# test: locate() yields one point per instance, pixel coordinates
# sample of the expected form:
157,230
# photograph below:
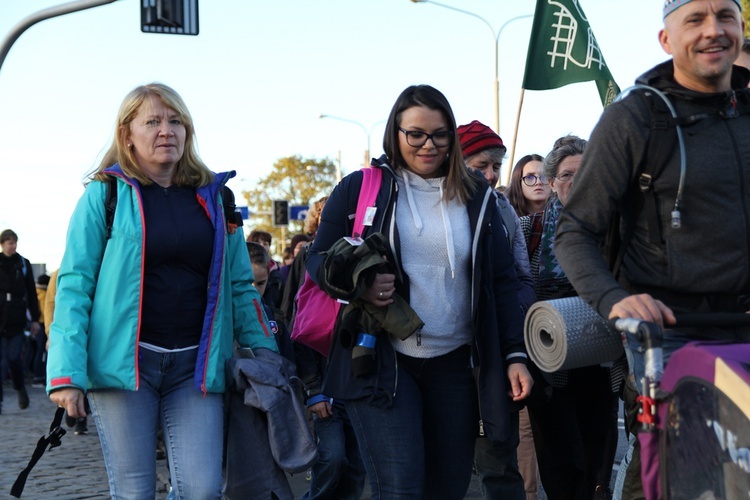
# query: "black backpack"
664,138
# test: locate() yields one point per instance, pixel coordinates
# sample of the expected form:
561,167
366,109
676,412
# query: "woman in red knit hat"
503,476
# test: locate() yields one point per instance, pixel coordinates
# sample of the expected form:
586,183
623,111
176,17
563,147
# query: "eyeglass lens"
532,179
417,139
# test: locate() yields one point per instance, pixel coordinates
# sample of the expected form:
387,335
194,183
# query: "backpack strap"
110,204
231,215
368,193
661,143
667,136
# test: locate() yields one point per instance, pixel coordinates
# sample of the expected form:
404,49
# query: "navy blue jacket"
497,317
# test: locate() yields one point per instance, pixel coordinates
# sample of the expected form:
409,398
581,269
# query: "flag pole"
515,137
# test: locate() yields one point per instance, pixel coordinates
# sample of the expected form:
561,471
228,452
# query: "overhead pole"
48,13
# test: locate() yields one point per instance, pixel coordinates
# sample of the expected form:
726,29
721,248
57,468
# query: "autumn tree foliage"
298,180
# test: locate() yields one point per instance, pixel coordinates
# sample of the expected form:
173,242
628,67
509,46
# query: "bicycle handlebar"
688,320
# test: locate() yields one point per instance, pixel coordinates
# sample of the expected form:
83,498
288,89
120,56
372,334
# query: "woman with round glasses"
416,412
529,189
571,426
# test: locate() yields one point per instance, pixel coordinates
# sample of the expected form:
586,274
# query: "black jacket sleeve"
607,170
505,288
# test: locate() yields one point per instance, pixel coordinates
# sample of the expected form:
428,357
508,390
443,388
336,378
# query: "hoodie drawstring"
449,245
412,204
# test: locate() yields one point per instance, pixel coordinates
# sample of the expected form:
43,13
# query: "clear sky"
260,74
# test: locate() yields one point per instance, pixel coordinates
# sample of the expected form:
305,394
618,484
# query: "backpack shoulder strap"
371,179
664,140
231,215
660,146
110,204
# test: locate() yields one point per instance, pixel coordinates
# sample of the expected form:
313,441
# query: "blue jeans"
339,472
192,425
497,465
422,446
622,471
10,350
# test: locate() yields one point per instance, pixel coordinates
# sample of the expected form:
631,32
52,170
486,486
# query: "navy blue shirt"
179,242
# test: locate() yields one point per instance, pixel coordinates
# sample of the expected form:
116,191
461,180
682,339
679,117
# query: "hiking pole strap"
56,432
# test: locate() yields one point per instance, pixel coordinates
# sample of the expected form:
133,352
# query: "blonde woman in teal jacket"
145,319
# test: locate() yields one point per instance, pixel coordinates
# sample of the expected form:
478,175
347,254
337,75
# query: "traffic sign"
298,212
174,17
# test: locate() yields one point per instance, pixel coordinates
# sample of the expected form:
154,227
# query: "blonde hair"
313,215
190,169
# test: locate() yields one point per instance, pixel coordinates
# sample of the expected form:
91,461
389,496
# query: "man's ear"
664,41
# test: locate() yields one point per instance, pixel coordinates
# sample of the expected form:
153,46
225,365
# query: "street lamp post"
48,13
496,39
368,133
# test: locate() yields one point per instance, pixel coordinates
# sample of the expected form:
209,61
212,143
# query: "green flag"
563,50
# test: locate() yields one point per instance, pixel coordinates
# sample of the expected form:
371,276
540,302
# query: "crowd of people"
158,289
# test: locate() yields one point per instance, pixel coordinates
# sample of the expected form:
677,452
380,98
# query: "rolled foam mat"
561,334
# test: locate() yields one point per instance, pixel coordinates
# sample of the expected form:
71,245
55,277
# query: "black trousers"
570,427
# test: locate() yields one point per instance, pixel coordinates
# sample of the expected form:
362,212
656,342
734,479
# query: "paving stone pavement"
75,470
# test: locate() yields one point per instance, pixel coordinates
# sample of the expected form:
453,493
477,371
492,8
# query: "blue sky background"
259,75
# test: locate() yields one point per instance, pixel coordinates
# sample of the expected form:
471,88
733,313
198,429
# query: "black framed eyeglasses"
417,139
532,179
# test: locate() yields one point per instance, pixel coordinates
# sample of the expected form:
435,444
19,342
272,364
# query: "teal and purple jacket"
95,333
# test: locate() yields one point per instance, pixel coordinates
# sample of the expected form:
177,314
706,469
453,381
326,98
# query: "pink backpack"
316,310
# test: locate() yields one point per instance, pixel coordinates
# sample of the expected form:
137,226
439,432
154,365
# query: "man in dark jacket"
690,244
17,300
703,265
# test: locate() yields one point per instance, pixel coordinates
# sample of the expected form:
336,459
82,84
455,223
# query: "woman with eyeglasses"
572,424
416,412
529,189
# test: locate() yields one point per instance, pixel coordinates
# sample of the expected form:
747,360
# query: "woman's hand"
383,287
520,381
322,409
35,328
71,399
